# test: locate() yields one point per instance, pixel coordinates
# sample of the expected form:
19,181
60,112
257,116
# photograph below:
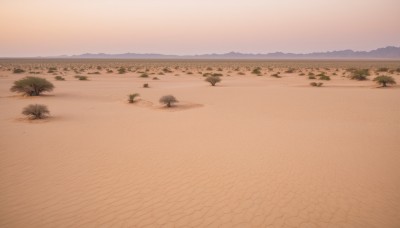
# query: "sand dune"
250,152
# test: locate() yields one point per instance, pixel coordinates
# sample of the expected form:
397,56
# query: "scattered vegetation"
36,111
168,100
213,80
385,80
32,86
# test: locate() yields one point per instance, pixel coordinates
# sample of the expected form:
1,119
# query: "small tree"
168,100
213,80
131,97
385,80
36,111
32,86
359,74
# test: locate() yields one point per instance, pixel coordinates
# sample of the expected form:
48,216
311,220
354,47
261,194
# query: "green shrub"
168,100
359,74
59,78
131,97
35,111
385,80
32,86
213,80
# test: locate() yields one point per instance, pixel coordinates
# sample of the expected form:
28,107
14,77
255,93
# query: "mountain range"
389,52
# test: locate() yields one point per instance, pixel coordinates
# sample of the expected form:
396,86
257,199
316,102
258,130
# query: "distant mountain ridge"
389,52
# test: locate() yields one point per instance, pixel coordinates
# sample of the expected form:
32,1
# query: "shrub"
276,75
121,70
146,85
167,70
144,75
59,78
35,111
311,77
213,80
168,100
155,78
18,71
290,70
359,74
131,97
324,77
256,70
385,80
32,86
52,70
81,78
302,74
315,84
383,69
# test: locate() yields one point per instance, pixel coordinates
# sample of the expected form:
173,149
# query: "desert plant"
168,100
324,77
383,69
32,86
213,80
121,70
81,78
256,70
144,75
59,78
359,74
276,75
18,71
156,78
315,84
385,80
35,111
52,70
131,97
146,85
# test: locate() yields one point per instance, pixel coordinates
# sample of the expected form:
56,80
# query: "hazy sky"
54,27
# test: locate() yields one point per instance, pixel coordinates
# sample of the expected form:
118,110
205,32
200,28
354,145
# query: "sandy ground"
250,152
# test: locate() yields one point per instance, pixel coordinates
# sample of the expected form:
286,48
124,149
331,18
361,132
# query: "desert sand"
253,151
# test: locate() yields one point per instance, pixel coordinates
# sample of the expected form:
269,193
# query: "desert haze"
272,144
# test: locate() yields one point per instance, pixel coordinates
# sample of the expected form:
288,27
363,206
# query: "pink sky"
55,27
